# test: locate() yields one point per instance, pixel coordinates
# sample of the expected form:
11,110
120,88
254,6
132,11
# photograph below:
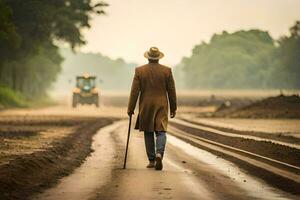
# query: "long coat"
154,85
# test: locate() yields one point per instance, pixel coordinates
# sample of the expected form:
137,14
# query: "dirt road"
189,173
43,152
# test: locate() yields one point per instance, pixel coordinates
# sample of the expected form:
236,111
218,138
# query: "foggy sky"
175,26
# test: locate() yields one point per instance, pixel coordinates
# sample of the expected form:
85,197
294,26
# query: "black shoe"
158,162
151,164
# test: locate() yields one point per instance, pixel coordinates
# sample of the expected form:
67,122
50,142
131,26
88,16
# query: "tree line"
112,74
244,60
29,33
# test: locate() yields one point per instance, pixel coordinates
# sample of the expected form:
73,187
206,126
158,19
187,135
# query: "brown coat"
155,86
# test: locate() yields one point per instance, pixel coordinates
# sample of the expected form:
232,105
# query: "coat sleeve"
135,91
171,92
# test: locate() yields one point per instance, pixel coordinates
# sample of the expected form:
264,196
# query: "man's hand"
173,114
129,113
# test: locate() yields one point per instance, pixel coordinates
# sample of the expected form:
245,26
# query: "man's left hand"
130,113
173,114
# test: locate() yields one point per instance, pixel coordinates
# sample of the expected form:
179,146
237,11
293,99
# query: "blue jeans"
161,139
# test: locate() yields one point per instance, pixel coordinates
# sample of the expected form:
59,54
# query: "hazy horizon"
131,27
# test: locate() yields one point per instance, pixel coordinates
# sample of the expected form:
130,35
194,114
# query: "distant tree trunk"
14,76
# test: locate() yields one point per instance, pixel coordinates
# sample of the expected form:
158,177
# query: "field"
40,146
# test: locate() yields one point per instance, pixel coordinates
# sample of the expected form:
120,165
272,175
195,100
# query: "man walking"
153,83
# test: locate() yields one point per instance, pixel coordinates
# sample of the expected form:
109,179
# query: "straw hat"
153,54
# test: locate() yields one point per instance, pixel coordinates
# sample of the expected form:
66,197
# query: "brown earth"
185,175
267,135
37,151
276,151
273,107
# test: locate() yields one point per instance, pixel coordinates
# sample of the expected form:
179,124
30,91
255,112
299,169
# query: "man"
153,83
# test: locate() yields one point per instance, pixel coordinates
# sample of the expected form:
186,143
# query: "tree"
29,31
9,39
237,60
289,54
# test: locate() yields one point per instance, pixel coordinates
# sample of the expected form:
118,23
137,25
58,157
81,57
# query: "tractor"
85,91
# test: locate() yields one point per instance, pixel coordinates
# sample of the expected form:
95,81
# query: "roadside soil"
272,107
286,130
264,148
38,150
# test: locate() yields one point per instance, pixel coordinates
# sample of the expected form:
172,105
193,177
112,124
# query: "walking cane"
128,136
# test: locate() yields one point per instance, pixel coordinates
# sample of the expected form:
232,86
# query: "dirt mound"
26,174
272,107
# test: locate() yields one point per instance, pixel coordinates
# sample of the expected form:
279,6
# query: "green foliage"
289,54
29,59
9,98
244,59
12,99
9,39
114,74
235,60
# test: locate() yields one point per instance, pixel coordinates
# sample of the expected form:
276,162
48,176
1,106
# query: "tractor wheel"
74,104
96,101
74,101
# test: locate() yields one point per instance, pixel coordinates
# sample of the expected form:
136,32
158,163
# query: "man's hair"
153,61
